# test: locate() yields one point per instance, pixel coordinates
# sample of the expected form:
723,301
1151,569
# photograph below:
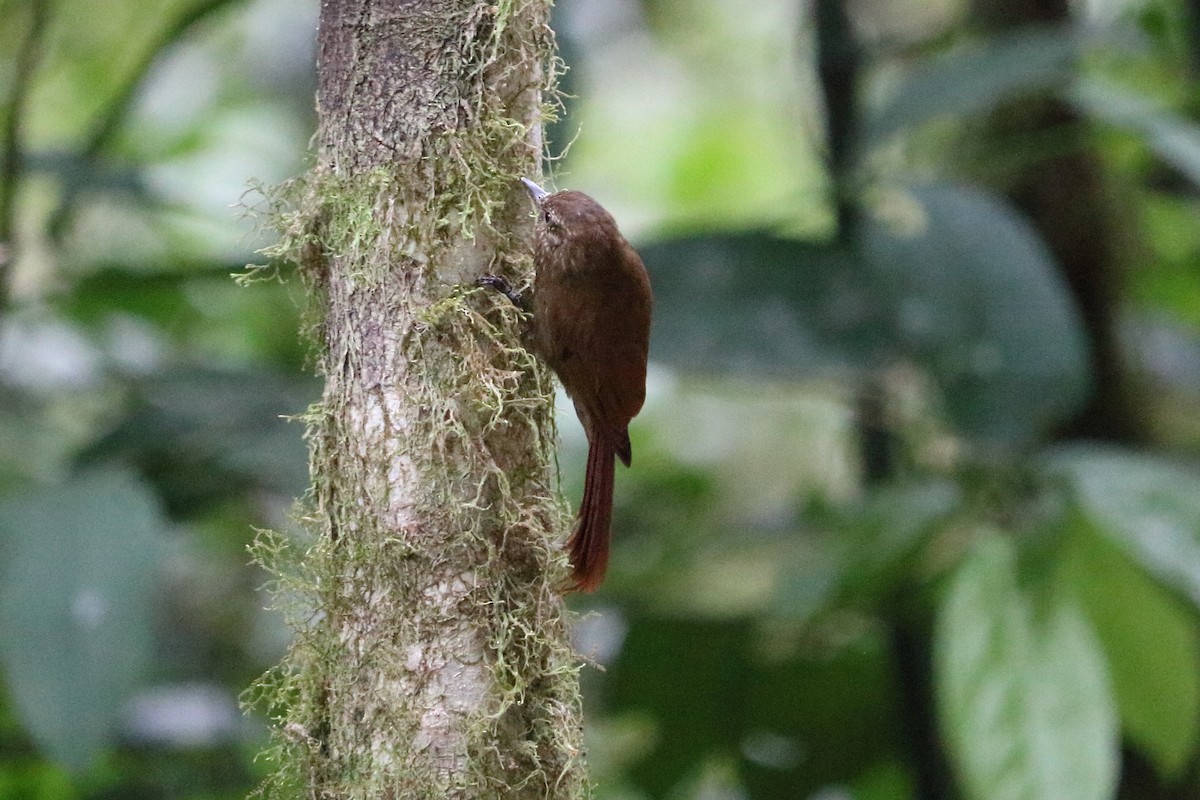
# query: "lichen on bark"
431,655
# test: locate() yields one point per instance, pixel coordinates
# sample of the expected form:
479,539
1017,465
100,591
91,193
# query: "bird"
591,306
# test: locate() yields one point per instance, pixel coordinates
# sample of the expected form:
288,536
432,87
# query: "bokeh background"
915,510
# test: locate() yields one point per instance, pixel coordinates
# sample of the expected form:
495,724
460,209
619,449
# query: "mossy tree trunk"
437,661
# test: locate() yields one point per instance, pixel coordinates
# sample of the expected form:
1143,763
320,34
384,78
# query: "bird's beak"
536,192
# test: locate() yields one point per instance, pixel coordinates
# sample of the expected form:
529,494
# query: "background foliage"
916,505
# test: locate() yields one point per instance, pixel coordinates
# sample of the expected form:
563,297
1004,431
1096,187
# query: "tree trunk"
1066,197
436,662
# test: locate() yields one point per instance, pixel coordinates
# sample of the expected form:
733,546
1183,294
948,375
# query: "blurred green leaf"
823,719
973,295
29,443
1174,138
25,773
954,279
203,435
974,80
1023,698
869,553
1147,505
795,721
91,71
887,781
885,536
757,303
688,675
1152,648
76,596
1169,281
159,297
195,304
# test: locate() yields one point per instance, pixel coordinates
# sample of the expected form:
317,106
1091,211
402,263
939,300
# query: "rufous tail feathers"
588,545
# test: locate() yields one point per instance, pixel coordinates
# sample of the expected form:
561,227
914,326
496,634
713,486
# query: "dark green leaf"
974,80
957,281
160,297
687,675
1023,697
794,722
974,296
76,600
887,533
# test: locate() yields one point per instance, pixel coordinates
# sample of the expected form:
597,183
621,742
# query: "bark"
436,661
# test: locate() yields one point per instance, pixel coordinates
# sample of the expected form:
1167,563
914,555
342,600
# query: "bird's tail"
588,545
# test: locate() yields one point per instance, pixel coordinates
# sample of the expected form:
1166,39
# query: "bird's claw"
501,285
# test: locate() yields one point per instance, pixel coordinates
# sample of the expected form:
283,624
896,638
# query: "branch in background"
1067,197
118,108
26,63
1191,27
839,61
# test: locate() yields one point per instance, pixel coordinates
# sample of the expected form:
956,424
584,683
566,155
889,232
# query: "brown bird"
591,310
